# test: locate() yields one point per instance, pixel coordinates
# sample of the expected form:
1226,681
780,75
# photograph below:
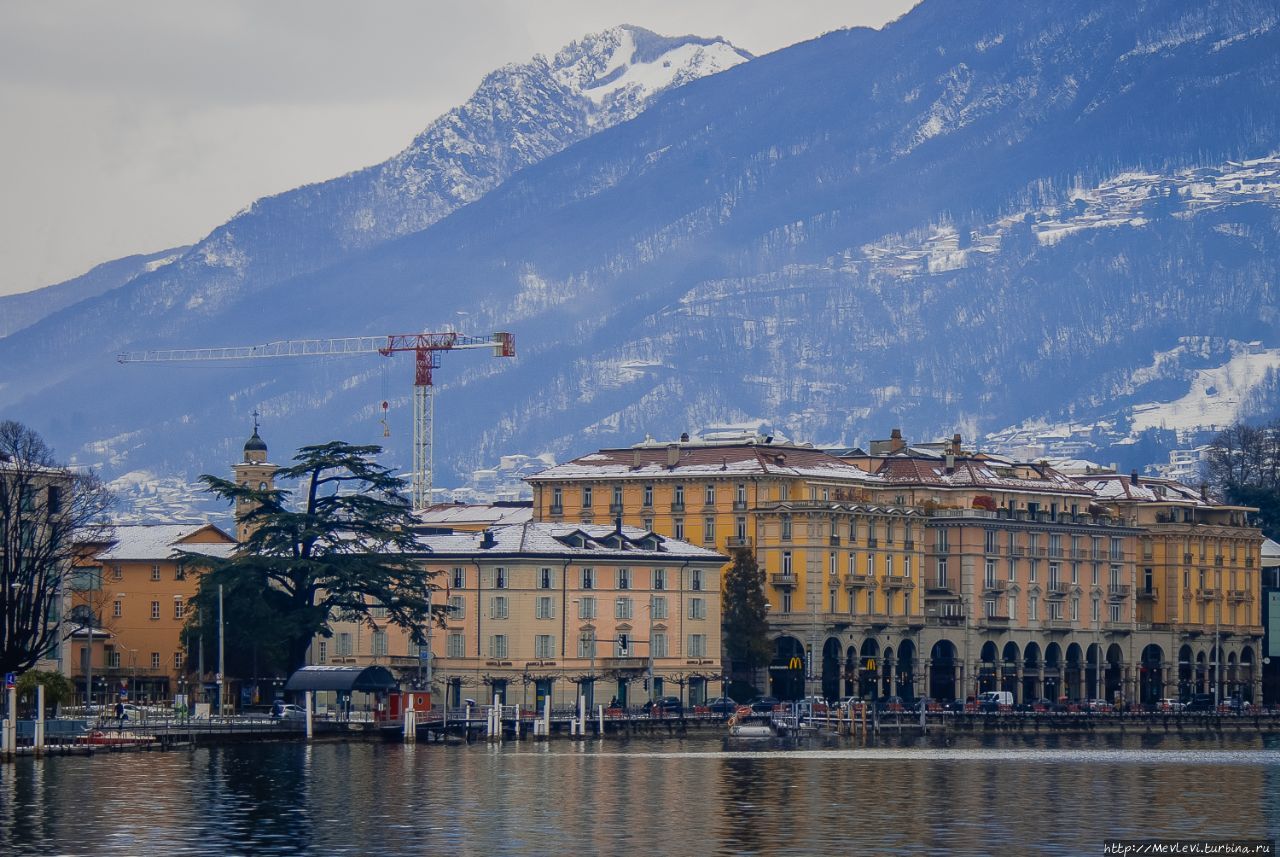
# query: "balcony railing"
615,508
858,579
940,587
1119,591
877,619
1117,627
1056,590
994,621
739,505
677,506
872,542
1150,594
1238,594
556,509
994,585
833,540
890,581
1057,624
738,541
783,579
1018,550
1208,593
944,619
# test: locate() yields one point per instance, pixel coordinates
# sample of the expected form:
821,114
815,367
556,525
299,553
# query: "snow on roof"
1271,549
972,472
462,514
709,460
1115,486
162,541
556,539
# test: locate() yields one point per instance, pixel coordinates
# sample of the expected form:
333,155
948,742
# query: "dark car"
666,705
1200,702
721,705
763,703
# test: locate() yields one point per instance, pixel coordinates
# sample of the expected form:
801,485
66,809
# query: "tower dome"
255,448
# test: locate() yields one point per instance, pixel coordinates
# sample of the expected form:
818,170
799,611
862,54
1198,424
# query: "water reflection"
697,796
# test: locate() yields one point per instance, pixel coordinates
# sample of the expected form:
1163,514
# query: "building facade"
948,572
540,610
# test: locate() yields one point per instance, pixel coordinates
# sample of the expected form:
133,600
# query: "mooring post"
310,723
410,722
600,722
546,716
11,723
37,743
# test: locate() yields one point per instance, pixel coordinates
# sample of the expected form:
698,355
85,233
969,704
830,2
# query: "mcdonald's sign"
796,664
870,665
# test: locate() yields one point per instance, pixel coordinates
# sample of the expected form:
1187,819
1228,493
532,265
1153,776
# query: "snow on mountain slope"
1217,396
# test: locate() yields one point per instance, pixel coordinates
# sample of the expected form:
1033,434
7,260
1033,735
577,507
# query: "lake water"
700,795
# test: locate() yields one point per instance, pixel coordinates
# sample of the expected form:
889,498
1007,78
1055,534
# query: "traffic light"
622,643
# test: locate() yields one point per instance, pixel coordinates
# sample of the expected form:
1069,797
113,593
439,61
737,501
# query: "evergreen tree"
341,550
1243,465
745,615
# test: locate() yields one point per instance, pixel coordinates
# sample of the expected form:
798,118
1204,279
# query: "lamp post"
651,687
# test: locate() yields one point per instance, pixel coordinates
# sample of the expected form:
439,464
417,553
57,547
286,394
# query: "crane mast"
426,348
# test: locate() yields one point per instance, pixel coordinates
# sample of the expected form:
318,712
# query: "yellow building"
556,609
1198,587
131,601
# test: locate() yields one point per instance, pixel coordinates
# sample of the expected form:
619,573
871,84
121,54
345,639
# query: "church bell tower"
254,471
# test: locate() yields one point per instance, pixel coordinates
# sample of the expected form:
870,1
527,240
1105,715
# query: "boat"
101,738
747,723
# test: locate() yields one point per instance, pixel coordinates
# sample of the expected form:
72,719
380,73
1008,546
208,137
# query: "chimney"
635,459
1133,478
955,444
951,463
617,525
487,540
895,440
673,454
684,437
1204,492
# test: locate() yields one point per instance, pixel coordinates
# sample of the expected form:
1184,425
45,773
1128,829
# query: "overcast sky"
129,127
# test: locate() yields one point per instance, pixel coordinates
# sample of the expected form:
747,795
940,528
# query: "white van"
991,700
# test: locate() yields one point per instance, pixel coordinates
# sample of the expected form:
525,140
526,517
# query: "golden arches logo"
796,664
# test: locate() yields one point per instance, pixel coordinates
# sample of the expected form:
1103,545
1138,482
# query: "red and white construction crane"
426,348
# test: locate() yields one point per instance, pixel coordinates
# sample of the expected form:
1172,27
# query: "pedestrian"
120,715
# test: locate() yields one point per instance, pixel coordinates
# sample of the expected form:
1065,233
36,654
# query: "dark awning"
372,679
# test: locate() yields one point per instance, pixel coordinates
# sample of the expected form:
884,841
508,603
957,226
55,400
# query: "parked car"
763,703
993,700
1170,705
1236,705
666,705
1200,702
1099,705
722,705
289,711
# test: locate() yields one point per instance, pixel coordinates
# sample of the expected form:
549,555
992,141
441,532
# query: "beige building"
540,609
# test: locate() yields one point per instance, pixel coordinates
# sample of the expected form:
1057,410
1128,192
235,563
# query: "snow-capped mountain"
981,216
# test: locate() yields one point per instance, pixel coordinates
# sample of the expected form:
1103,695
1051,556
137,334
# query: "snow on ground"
1215,397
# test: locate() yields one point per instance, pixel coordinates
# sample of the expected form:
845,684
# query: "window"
786,601
587,644
1117,612
1013,608
648,496
322,652
1055,545
155,572
942,572
709,496
544,578
113,659
498,607
1117,548
155,660
1035,571
678,496
990,575
544,646
677,527
695,580
456,645
587,607
831,602
179,609
740,529
906,566
179,571
1013,570
990,606
588,578
1094,576
659,578
459,578
659,644
1075,573
557,500
943,545
377,611
380,643
624,578
990,542
786,562
344,643
1053,575
786,528
621,644
497,645
545,607
499,578
1055,609
742,494
647,523
622,608
1075,609
1033,608
177,662
457,607
709,529
697,646
586,496
888,531
1094,611
117,608
617,498
117,573
155,609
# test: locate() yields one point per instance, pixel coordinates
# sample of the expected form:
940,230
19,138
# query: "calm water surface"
699,795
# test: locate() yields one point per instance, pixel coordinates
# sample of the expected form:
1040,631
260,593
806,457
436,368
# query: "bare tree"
45,510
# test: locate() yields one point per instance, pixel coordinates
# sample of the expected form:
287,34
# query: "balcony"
1186,559
615,508
1150,594
738,541
876,620
909,545
1077,553
1055,591
833,540
1239,595
677,506
945,619
940,588
1208,594
994,622
1217,560
1057,625
995,586
786,578
624,663
556,509
858,580
1117,627
872,542
1017,550
894,582
739,505
1119,591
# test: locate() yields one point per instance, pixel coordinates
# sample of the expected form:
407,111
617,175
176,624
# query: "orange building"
131,600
